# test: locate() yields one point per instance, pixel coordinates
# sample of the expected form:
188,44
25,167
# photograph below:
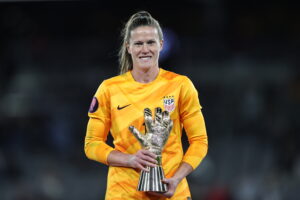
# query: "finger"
161,194
137,134
141,167
171,187
158,194
148,153
170,126
168,194
149,158
158,115
147,163
165,180
133,129
166,118
148,119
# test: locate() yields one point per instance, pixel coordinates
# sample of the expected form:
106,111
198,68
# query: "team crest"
169,103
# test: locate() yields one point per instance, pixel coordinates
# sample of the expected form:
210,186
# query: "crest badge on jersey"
169,103
94,105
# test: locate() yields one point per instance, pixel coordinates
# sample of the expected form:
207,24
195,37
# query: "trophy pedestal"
152,181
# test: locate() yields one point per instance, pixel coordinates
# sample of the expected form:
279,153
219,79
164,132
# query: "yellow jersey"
119,103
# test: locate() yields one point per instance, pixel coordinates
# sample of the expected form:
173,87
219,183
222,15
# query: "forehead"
144,32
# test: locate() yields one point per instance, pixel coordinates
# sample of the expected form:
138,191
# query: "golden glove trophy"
154,140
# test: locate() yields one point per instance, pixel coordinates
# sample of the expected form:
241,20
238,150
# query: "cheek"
156,49
131,49
135,52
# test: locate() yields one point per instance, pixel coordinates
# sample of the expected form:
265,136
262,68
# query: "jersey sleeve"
98,126
193,123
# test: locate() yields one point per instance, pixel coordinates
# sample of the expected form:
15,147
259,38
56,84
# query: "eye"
138,43
151,42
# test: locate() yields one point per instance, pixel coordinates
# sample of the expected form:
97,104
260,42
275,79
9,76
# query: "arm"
193,156
196,132
194,125
95,146
138,160
183,170
99,123
97,149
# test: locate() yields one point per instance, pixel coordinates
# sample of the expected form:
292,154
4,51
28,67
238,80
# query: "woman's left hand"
172,185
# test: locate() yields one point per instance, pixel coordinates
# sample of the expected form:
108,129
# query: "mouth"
145,58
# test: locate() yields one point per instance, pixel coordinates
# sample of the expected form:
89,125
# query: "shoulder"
182,81
107,84
114,80
172,76
169,75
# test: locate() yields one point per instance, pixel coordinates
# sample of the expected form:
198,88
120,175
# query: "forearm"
118,159
98,151
195,153
95,141
183,170
139,160
196,133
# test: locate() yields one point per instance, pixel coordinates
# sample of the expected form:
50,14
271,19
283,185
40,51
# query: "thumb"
165,180
134,130
137,134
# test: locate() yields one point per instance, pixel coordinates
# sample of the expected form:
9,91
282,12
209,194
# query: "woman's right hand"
141,159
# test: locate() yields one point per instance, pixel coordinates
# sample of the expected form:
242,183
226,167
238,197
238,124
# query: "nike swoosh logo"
120,108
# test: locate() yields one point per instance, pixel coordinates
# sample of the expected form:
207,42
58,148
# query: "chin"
145,66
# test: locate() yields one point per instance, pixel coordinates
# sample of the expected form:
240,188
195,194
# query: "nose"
145,48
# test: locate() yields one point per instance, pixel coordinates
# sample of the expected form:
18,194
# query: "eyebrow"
139,41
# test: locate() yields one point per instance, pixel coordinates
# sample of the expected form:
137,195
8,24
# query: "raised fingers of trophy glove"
137,134
148,119
166,120
158,115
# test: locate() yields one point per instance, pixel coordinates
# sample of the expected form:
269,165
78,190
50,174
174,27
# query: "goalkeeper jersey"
119,103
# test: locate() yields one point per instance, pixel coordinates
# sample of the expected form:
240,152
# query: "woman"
119,103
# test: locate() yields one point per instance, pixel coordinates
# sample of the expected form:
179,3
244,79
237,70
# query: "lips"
145,58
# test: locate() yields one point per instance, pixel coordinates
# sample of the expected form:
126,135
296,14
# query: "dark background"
241,55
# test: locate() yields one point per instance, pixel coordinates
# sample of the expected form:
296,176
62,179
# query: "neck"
145,75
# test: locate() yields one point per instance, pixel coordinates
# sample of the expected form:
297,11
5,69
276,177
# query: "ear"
128,47
161,44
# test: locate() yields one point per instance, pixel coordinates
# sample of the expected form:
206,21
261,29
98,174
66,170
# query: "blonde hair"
141,18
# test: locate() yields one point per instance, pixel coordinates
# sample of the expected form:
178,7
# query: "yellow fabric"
168,91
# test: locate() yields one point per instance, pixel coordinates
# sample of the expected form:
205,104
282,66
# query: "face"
144,47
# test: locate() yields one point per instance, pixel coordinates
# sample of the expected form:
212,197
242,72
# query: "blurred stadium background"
241,55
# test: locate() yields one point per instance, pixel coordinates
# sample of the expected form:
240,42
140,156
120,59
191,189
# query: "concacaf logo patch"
169,103
94,105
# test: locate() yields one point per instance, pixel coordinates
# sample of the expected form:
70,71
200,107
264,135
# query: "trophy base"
151,181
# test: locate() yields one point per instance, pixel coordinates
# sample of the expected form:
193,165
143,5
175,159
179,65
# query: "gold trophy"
155,137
